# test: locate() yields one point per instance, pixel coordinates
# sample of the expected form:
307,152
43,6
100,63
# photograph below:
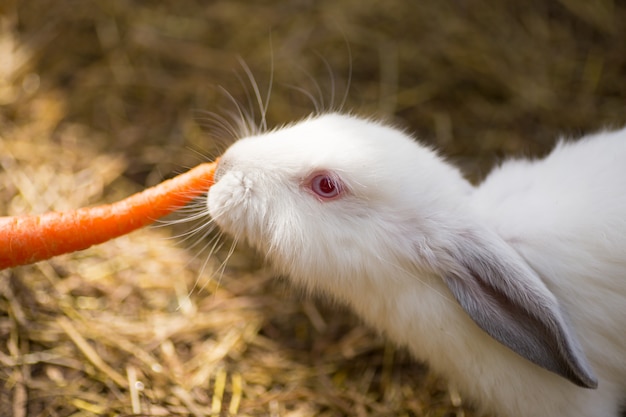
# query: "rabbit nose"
223,166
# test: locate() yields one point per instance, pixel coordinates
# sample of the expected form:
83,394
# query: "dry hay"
99,99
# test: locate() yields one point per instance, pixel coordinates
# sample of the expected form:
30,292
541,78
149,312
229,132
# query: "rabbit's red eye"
325,186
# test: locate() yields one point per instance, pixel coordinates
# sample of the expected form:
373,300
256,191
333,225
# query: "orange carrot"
31,238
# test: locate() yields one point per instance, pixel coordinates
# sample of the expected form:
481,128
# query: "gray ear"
507,299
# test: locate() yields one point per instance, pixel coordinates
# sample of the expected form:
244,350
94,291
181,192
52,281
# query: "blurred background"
101,98
479,78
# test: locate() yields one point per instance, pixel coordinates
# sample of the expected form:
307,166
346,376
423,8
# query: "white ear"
507,299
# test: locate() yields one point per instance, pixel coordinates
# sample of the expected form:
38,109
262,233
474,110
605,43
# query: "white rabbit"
514,290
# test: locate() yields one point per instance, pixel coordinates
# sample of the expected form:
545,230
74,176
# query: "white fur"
411,246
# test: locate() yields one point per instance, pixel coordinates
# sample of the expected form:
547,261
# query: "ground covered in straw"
99,99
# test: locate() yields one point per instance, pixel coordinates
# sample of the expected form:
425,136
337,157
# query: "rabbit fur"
514,290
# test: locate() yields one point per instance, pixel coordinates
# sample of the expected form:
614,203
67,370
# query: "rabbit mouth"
226,201
237,210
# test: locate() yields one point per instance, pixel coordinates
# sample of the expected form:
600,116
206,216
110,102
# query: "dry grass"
99,99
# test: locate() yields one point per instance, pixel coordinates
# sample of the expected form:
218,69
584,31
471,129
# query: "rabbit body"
514,290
